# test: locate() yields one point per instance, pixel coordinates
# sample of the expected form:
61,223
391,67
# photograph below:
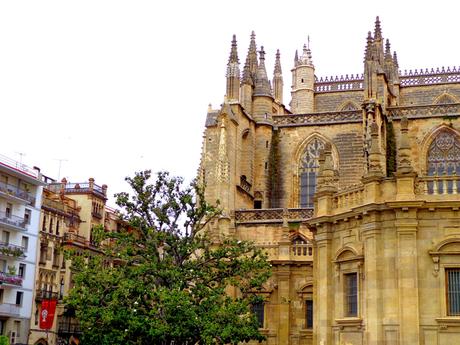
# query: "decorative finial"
277,63
377,30
262,54
387,49
368,51
395,59
233,52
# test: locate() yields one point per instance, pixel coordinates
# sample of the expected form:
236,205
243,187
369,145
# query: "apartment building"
20,200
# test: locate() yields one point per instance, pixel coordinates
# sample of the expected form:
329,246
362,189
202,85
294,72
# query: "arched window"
309,164
444,154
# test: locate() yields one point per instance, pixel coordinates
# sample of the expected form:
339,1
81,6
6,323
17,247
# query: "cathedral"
353,190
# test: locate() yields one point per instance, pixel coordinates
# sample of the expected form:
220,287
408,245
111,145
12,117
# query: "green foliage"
4,340
168,283
391,149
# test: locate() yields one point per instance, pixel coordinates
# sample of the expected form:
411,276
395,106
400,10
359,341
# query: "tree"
166,282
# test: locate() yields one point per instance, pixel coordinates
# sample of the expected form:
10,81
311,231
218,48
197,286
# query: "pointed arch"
445,98
441,151
348,105
306,159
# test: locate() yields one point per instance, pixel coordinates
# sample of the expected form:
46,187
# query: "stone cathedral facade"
353,190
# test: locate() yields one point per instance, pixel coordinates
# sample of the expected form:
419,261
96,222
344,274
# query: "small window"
44,223
6,237
36,316
266,165
1,296
22,270
309,314
266,144
27,215
25,242
453,291
257,204
351,294
19,295
51,225
258,310
57,227
9,210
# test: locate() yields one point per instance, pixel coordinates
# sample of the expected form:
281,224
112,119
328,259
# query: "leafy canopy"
161,280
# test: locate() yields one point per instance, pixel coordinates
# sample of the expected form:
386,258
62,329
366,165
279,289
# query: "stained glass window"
309,164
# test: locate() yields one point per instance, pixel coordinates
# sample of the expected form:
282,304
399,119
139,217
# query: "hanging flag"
47,313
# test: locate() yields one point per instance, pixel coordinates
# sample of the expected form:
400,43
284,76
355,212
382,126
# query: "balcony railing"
59,207
17,192
272,215
10,279
8,309
18,166
12,221
43,294
438,185
8,249
83,187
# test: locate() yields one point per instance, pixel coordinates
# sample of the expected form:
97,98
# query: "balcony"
40,295
96,215
60,208
13,192
10,310
8,249
12,222
10,280
272,215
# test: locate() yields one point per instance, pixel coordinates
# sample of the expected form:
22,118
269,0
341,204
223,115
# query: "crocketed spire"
395,59
368,52
233,69
262,86
233,73
278,79
377,30
388,50
250,66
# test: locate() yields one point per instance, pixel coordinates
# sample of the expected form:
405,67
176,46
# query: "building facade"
353,191
20,200
69,213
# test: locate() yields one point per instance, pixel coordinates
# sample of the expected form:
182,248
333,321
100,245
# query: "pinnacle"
277,63
233,52
395,59
387,50
377,30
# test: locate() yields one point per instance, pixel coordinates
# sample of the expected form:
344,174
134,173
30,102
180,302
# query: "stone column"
323,298
371,302
284,325
407,266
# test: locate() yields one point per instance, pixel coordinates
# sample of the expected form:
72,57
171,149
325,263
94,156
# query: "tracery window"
444,154
309,164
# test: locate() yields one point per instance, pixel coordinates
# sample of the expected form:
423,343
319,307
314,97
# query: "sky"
105,88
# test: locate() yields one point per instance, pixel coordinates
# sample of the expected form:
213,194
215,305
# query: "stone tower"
303,79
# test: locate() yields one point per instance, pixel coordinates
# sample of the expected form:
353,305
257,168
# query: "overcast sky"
114,87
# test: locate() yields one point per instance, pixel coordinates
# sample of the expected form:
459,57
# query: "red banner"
47,313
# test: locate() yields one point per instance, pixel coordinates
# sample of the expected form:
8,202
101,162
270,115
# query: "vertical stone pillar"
322,290
371,302
284,325
407,266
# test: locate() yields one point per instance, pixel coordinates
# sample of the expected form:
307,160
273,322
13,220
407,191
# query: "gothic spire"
377,30
296,58
395,59
233,73
250,66
233,52
388,50
368,52
277,63
278,79
262,86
